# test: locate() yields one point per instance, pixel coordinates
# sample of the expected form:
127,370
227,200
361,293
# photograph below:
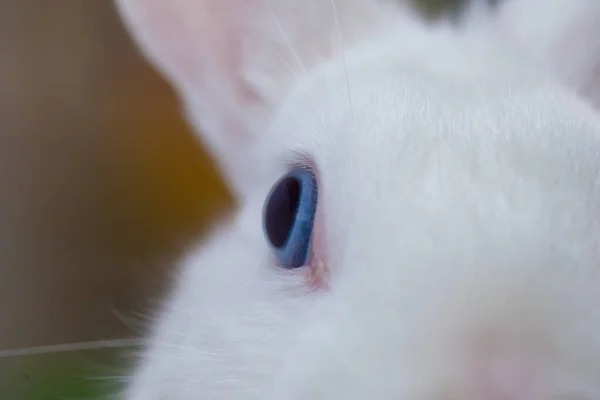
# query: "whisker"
286,40
114,378
288,65
68,347
136,321
343,51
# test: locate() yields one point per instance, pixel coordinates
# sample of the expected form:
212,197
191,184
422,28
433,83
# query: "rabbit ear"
563,34
233,61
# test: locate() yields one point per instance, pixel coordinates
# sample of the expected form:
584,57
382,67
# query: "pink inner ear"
197,43
216,50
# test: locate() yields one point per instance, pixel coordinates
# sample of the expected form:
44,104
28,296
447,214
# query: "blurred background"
101,184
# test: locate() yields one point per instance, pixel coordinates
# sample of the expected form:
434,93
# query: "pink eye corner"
317,271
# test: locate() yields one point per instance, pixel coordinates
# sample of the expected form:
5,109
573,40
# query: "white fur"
458,177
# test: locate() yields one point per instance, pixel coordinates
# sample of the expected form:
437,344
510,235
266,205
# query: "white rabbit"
436,232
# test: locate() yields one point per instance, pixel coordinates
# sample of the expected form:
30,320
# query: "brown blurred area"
101,181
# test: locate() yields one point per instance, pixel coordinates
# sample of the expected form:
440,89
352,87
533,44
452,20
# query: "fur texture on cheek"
228,325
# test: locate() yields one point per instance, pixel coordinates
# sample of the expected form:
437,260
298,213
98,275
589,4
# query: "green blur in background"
84,375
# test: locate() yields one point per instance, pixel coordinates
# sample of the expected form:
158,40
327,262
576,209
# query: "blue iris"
289,216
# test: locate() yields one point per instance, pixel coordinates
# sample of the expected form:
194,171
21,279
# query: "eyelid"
301,160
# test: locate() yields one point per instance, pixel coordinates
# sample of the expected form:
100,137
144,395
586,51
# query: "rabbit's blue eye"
289,215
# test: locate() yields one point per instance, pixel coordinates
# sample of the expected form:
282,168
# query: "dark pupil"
281,211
